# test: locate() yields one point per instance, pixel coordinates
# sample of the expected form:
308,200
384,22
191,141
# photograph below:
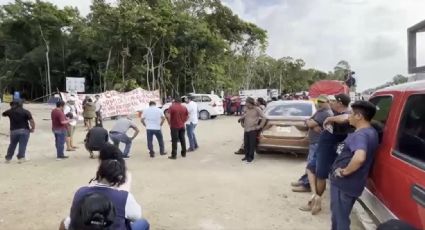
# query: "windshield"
290,109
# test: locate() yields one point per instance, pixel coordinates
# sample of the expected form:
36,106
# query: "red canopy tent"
328,87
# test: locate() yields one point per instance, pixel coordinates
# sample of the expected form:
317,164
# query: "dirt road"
209,190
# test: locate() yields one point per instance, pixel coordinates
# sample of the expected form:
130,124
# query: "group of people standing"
342,147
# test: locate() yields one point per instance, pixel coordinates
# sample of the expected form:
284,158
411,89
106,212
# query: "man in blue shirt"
351,168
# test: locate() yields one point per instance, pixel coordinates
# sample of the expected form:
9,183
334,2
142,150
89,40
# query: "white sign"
75,84
114,103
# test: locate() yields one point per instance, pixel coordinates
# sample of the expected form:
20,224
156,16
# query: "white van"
209,105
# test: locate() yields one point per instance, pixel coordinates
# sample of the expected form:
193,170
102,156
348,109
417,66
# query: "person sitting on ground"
112,173
96,138
94,212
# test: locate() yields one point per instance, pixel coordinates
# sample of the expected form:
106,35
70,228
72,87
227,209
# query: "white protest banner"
114,103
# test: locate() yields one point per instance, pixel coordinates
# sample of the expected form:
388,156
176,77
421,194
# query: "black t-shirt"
342,129
18,117
97,137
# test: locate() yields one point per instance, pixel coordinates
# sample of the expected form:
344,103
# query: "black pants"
250,143
99,118
176,135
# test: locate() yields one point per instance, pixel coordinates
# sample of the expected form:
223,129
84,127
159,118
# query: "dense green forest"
175,46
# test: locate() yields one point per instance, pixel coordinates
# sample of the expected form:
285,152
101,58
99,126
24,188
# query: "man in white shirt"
191,123
153,118
70,111
98,109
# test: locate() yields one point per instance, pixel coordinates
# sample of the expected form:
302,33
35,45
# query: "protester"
89,112
94,211
153,118
112,173
59,128
315,124
21,125
251,119
328,141
351,168
261,103
191,123
177,116
70,111
98,106
96,138
118,133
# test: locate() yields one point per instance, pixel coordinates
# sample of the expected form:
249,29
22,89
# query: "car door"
409,152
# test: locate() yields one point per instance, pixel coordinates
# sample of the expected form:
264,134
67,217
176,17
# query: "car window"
295,109
411,132
197,98
206,99
383,106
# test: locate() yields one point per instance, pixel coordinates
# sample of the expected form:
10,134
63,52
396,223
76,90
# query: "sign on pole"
75,84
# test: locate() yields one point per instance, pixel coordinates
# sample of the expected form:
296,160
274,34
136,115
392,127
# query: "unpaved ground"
210,189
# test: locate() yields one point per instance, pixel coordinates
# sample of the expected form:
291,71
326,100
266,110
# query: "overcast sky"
369,34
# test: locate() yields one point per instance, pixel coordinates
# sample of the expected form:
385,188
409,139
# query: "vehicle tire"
260,151
204,115
213,117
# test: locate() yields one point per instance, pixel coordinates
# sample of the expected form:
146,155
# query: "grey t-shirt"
319,117
122,125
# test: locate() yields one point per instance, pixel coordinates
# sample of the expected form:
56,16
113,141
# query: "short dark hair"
178,100
94,211
110,152
60,104
152,103
114,171
365,108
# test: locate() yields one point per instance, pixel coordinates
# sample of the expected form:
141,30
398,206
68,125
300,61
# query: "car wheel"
213,117
204,115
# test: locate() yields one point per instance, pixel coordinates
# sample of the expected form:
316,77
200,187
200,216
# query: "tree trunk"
107,68
49,92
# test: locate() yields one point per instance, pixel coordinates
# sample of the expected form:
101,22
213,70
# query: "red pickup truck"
396,186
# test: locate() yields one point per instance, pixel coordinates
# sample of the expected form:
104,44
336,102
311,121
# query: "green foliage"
175,46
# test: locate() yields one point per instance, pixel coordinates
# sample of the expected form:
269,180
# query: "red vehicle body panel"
392,178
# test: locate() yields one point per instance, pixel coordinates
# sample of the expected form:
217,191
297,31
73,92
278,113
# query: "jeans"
341,206
141,224
20,136
326,153
121,137
250,143
311,164
176,135
60,136
158,134
193,143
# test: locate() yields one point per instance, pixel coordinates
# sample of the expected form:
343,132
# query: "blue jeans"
141,224
193,143
311,164
326,153
60,136
341,206
158,134
121,137
20,136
